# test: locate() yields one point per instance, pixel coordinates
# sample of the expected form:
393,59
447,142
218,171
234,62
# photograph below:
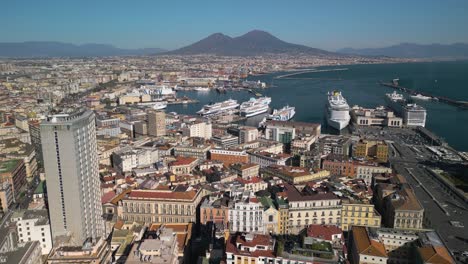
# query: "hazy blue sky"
172,24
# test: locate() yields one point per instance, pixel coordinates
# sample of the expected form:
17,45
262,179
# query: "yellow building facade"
359,214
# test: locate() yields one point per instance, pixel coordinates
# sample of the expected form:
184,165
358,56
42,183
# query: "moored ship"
157,105
413,114
218,108
284,114
337,111
254,106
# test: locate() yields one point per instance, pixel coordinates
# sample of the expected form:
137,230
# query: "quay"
444,99
288,76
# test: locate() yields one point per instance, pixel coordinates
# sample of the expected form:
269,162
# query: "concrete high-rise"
71,166
156,123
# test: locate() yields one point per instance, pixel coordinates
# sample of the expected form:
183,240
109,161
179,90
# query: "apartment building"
340,166
359,214
246,214
265,159
312,205
197,129
183,165
34,225
13,171
215,208
246,170
192,151
229,156
294,175
371,149
128,158
177,205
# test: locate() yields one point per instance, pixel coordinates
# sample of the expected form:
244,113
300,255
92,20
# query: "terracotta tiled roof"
252,180
365,245
181,161
264,240
324,232
119,197
411,202
107,197
435,254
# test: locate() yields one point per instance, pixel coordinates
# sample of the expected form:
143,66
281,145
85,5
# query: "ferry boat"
412,114
421,97
284,114
218,108
255,106
337,111
394,101
155,105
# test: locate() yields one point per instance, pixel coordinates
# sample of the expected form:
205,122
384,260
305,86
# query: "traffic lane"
455,238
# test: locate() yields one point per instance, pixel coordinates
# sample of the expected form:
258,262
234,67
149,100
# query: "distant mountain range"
255,42
34,49
410,50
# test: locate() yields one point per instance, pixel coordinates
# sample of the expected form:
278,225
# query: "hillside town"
93,169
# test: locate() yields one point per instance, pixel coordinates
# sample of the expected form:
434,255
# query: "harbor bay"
360,86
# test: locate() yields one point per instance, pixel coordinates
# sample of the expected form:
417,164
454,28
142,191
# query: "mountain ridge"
255,42
35,49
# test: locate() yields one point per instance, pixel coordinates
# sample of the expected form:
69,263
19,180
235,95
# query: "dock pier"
460,104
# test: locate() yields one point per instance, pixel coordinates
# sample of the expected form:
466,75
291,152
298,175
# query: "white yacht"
255,106
218,108
337,111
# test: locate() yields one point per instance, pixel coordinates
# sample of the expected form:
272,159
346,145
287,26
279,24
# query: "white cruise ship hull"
338,124
218,111
254,113
337,111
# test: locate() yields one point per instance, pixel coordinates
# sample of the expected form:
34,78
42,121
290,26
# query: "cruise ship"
337,111
413,114
255,106
283,114
218,108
